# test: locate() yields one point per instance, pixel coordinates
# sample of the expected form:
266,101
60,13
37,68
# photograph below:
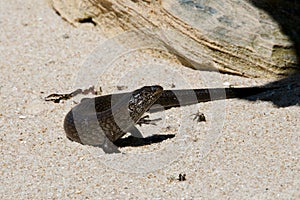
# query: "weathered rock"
231,36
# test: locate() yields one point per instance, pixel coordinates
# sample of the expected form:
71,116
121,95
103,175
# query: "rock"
231,36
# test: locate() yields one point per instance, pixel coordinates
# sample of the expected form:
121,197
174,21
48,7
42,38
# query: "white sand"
255,154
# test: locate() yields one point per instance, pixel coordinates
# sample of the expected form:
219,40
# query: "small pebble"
22,117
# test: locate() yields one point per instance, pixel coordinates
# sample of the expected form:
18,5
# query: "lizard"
102,120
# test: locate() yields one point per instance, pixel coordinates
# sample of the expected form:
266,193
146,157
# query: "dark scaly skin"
102,120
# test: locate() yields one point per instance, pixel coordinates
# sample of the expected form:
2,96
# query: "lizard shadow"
137,142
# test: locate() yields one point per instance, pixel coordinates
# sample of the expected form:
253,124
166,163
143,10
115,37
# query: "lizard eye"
131,106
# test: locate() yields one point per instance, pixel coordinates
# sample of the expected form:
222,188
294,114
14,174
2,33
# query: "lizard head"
142,99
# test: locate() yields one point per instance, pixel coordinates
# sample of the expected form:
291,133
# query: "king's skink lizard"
102,120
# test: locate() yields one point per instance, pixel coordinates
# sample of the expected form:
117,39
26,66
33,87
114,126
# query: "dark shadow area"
287,14
136,142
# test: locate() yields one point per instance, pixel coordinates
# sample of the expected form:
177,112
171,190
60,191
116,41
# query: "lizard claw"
145,120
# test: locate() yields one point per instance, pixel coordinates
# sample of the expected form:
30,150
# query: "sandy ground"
245,150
